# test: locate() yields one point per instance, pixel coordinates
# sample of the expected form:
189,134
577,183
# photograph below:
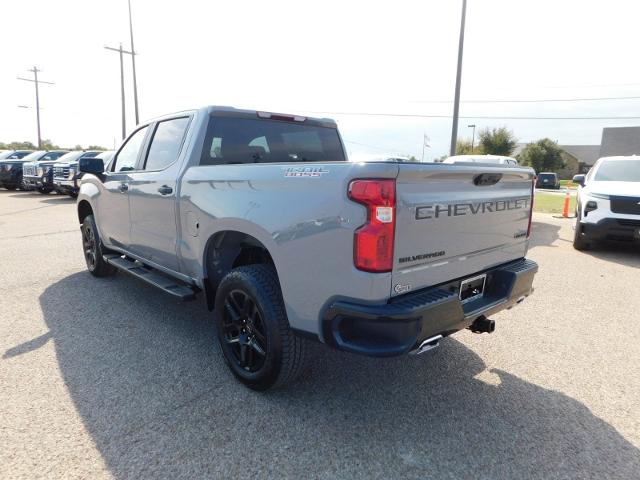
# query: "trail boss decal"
313,172
461,209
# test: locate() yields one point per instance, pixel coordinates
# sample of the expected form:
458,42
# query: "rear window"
242,140
618,171
547,176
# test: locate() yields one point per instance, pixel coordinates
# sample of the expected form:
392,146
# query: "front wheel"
253,331
93,249
580,240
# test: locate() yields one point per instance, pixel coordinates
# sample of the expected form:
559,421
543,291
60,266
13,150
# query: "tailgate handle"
487,179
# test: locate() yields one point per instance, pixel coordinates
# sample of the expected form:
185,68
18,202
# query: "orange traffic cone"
565,209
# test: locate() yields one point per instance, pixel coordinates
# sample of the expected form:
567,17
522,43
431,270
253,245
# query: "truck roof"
226,111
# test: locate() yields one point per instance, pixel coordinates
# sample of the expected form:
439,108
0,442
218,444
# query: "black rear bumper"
400,325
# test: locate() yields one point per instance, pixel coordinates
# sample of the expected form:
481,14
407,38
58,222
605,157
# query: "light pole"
133,64
36,82
124,120
456,102
473,136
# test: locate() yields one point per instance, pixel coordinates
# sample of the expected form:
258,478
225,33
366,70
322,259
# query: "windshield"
618,171
32,157
70,157
244,140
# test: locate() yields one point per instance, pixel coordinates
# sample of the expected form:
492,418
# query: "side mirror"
579,179
91,165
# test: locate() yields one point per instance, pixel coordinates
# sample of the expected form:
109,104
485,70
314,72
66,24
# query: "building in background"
580,158
620,141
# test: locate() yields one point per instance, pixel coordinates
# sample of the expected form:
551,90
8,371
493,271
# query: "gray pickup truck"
289,241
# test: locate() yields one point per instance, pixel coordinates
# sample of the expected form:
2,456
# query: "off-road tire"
91,240
580,240
285,351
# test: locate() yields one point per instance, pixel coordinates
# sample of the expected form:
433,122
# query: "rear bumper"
617,229
400,325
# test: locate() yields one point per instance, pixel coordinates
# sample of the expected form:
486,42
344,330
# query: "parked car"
289,241
499,159
608,206
65,169
548,180
37,173
14,154
11,168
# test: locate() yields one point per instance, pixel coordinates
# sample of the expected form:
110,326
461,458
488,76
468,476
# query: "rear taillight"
373,241
531,209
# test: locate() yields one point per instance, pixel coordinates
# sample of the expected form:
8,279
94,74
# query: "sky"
328,58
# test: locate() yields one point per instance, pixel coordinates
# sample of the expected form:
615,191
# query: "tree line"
46,145
543,155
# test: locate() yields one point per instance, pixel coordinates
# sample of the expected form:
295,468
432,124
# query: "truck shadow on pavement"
146,378
543,234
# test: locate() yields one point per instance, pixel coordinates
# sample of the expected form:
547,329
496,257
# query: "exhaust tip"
429,344
483,325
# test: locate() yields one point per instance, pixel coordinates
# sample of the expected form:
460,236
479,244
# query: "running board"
151,276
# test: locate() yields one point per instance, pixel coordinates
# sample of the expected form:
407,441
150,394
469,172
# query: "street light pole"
456,102
133,64
124,120
473,136
36,82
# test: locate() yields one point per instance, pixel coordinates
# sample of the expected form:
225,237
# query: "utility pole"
456,102
36,82
473,136
124,120
133,64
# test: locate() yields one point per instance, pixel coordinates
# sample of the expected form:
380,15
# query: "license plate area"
472,288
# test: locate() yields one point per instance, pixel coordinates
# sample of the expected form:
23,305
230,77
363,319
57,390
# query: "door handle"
165,190
123,187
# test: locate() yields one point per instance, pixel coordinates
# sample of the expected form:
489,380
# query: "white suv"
608,202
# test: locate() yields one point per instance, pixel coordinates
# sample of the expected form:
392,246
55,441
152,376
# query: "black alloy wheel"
90,246
244,331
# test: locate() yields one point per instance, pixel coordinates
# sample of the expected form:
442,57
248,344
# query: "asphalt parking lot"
109,378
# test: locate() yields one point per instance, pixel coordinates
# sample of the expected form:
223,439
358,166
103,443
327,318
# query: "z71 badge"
312,172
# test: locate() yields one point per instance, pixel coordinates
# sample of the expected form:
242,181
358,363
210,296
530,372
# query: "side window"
166,143
128,155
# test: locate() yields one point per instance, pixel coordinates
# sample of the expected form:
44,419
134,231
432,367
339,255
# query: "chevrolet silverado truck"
289,241
37,170
65,171
608,206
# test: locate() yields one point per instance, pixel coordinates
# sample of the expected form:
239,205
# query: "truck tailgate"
453,221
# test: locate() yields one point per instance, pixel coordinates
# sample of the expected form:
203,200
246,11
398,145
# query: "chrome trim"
469,280
429,344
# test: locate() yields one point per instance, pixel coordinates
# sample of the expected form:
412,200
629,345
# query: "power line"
481,117
36,81
542,100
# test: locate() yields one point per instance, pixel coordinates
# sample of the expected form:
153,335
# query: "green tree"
463,147
96,147
543,156
49,145
21,146
497,141
77,147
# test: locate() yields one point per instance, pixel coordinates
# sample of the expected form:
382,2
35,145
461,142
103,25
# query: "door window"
128,154
166,143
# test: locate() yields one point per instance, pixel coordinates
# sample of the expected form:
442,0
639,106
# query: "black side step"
149,275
